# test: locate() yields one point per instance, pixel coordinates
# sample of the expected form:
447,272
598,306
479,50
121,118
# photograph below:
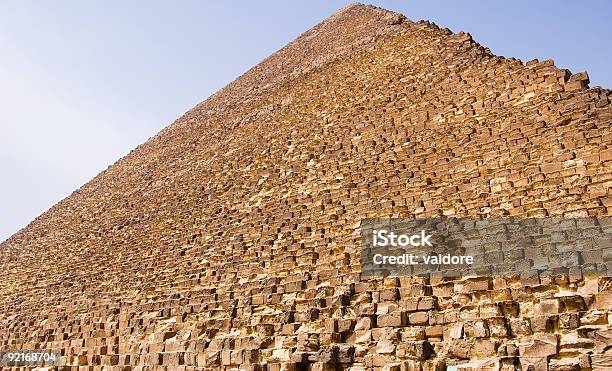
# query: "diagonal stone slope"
231,237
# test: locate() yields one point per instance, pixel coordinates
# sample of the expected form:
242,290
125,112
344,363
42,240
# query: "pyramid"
230,240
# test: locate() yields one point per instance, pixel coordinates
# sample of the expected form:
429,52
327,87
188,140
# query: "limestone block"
539,346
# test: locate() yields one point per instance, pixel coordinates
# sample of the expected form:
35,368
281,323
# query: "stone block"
539,346
418,318
393,319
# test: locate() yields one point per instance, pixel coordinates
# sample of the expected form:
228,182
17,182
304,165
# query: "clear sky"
84,82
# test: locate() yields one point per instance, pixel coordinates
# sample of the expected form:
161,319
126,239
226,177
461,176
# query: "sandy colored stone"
230,240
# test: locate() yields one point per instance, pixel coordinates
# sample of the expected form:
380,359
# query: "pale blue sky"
84,82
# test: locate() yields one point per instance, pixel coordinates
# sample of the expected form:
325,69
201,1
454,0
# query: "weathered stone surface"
539,345
418,318
603,340
487,364
543,323
394,319
231,239
564,364
601,362
535,364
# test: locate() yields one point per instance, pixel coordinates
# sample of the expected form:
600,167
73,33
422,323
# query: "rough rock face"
230,240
